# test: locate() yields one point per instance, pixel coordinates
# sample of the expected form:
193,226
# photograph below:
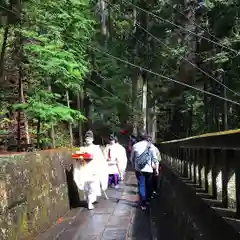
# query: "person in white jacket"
91,177
144,161
112,154
122,159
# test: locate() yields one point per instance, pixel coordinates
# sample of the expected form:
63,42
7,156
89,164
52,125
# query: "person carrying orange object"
91,175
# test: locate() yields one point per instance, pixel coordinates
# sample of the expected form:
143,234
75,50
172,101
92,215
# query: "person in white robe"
112,157
91,177
122,155
117,161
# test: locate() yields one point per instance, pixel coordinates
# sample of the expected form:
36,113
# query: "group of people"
107,168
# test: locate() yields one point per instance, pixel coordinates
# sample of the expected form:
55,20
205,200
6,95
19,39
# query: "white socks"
90,206
92,198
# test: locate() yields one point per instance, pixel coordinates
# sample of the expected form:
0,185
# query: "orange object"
60,220
82,156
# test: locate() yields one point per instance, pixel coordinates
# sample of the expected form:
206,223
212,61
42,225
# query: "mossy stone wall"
33,192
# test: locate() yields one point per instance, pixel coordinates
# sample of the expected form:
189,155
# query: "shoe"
143,207
117,186
90,206
154,195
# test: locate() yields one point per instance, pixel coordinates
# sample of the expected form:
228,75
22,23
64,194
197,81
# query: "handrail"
209,163
205,135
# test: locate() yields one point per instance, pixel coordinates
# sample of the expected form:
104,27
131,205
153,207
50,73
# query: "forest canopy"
170,67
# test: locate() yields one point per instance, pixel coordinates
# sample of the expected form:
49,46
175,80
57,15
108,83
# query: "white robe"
92,176
118,162
122,157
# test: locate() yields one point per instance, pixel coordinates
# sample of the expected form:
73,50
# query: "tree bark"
21,99
4,46
80,107
69,124
52,130
103,22
38,132
225,106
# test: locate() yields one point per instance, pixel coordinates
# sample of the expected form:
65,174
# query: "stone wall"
193,218
33,192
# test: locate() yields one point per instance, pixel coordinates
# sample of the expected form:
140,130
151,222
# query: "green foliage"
56,55
43,106
54,36
56,60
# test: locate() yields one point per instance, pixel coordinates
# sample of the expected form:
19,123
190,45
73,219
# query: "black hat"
143,135
112,137
89,134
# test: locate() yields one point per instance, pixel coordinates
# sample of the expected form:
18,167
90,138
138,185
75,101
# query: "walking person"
122,156
131,141
112,155
144,161
92,176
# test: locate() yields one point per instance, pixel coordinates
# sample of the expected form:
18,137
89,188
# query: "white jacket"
122,157
118,160
94,171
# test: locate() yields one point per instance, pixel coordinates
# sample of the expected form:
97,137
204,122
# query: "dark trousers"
113,179
145,186
155,183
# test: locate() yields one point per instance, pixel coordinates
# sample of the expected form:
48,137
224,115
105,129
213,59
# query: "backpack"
144,158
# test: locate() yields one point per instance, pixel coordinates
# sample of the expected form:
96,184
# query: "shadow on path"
141,229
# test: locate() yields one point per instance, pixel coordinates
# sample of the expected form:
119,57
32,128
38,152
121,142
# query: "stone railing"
201,180
33,192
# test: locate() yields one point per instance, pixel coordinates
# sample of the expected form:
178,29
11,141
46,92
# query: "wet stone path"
115,219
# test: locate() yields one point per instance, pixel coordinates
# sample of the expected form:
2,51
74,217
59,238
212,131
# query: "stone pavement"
113,219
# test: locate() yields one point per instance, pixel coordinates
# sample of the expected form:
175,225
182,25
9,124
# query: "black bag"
144,158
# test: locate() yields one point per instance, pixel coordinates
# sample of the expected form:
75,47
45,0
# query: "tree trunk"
52,131
103,21
144,54
137,80
4,45
69,124
138,117
144,102
80,107
38,132
152,120
225,107
189,121
21,99
109,21
206,106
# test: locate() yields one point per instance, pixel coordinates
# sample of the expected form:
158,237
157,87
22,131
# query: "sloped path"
115,219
